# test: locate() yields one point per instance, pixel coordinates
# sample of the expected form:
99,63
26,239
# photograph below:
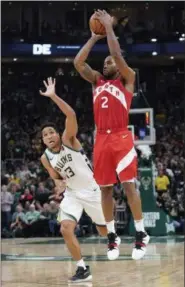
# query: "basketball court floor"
45,262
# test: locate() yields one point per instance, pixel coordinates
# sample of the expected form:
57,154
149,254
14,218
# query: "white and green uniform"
82,191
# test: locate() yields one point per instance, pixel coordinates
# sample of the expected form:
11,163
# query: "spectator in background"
168,172
7,200
42,188
32,215
33,189
162,183
18,219
43,193
27,206
27,196
14,179
45,210
31,218
15,190
53,223
24,172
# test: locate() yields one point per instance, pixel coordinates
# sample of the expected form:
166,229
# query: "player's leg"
108,206
104,173
134,202
67,230
105,176
108,210
95,211
127,171
102,230
93,208
69,214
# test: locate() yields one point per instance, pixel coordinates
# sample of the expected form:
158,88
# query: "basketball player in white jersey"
64,158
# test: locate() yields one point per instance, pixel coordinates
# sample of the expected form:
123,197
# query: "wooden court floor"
45,262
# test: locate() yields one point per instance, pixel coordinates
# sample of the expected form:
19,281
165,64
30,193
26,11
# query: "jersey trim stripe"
132,180
70,216
126,161
47,156
53,152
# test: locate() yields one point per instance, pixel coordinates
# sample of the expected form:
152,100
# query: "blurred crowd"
28,197
170,162
25,23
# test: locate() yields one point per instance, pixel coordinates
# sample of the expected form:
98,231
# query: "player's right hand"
97,37
50,88
60,185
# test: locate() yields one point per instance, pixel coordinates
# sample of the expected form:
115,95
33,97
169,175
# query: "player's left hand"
50,88
104,18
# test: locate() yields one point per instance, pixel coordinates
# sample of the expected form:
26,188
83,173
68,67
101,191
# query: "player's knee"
106,192
67,228
130,190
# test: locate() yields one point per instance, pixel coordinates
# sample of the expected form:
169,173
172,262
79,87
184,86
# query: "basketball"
96,27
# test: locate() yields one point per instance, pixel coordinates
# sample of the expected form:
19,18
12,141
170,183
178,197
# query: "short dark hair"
49,124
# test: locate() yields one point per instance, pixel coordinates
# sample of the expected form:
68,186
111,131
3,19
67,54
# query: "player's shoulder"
45,161
127,87
73,144
43,157
98,75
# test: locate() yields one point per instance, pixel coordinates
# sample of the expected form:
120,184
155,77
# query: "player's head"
109,68
50,135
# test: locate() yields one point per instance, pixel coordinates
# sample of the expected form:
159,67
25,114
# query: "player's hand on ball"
104,18
50,88
97,37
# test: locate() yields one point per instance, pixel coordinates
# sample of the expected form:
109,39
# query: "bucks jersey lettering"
62,161
74,166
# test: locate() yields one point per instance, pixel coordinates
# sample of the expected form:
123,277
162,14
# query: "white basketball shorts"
74,202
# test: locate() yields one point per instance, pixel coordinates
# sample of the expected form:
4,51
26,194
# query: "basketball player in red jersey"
114,152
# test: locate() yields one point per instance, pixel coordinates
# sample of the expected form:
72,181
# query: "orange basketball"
96,27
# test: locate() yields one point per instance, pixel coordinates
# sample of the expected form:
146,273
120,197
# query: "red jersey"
111,105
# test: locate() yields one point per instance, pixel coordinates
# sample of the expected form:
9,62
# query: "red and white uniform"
114,152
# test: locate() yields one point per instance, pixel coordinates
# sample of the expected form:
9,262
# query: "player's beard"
111,75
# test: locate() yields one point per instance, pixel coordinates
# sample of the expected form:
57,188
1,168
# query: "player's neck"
55,149
114,76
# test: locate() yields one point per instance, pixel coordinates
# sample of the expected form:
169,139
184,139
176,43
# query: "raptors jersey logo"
111,105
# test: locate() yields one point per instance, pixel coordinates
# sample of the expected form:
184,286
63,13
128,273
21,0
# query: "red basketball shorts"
114,155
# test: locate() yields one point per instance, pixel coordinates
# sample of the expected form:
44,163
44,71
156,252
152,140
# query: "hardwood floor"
46,262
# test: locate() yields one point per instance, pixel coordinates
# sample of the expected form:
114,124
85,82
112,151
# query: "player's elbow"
131,76
77,63
72,113
116,55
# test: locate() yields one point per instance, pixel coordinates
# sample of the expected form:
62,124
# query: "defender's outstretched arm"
71,125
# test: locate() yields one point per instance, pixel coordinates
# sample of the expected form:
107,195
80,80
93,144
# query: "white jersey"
74,167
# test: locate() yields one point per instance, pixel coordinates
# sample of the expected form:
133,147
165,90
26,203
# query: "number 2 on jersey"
104,104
